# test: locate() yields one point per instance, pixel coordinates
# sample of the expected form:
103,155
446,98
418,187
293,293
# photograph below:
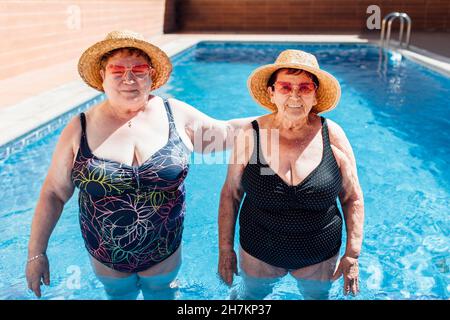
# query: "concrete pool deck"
32,99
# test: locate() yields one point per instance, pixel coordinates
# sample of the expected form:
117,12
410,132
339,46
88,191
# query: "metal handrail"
391,17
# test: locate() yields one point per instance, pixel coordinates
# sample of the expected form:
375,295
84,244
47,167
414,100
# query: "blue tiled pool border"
34,135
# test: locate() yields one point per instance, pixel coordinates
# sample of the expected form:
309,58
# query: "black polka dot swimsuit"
291,226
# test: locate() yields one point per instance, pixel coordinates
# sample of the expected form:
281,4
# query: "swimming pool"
396,119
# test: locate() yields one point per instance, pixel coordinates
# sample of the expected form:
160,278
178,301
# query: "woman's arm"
230,200
56,191
352,203
351,195
207,134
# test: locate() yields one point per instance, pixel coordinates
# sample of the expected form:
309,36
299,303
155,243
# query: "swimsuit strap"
172,129
83,141
327,151
83,123
325,137
257,146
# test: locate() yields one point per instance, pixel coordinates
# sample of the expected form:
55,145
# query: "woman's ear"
152,76
315,100
270,91
102,74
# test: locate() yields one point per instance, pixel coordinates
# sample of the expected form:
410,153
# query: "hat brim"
327,95
89,64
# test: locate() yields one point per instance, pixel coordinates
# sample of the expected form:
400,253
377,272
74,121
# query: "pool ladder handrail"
389,18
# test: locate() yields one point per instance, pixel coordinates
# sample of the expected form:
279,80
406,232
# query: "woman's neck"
119,113
298,125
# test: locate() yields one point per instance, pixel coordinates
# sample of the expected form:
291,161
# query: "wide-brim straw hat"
89,64
327,95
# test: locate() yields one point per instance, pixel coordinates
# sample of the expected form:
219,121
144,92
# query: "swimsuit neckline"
122,164
261,156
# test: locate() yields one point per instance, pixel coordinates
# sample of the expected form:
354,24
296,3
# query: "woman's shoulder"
73,127
339,141
335,131
177,105
182,111
264,120
71,133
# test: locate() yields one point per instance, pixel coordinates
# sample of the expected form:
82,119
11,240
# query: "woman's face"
293,94
127,80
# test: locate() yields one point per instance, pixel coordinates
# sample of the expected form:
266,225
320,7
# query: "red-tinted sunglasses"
287,87
139,71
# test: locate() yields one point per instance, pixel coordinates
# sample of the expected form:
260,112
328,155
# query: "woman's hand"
227,265
348,267
37,273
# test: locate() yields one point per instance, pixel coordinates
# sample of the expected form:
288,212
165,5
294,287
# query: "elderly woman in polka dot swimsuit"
292,165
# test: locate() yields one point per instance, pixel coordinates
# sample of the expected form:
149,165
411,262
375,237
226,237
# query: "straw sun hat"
89,63
327,94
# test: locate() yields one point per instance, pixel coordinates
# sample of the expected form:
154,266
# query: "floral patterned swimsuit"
131,217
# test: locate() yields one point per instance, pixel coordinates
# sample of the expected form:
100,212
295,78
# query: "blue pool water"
396,118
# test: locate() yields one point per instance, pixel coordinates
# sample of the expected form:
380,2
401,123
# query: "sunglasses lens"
140,70
284,87
306,88
117,70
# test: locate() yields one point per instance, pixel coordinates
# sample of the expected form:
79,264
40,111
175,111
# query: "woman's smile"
130,91
294,105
